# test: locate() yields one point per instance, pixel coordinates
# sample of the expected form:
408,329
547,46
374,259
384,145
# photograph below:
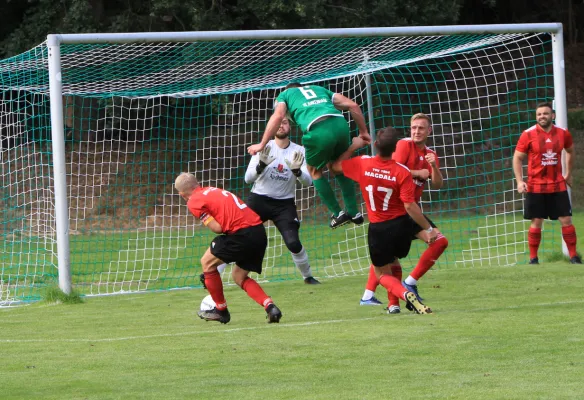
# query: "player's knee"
292,241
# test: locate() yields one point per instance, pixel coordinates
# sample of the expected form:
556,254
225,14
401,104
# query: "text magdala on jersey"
380,174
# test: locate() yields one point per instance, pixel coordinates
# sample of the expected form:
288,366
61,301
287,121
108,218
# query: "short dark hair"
293,85
545,104
386,141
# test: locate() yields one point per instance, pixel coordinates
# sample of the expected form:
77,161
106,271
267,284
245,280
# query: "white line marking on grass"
281,326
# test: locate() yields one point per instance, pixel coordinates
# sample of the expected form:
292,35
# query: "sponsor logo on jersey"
549,158
279,173
548,140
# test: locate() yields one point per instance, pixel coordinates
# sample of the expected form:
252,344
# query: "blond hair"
186,182
420,116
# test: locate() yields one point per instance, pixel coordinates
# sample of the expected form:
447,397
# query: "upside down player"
423,165
242,240
394,216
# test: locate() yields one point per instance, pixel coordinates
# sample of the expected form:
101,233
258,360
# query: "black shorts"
547,205
281,212
391,239
246,248
417,228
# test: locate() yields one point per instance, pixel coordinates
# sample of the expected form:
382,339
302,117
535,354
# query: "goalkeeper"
326,136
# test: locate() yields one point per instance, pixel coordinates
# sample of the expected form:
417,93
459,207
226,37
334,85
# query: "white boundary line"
251,328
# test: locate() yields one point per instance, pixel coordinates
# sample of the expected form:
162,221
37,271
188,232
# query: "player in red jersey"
242,239
546,187
394,215
423,164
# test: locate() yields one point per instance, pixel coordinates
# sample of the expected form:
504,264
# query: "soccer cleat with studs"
534,261
342,219
358,219
274,314
413,289
576,260
222,316
416,305
311,281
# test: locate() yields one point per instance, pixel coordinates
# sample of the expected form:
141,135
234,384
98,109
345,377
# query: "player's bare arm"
271,129
345,104
358,142
518,158
569,165
437,180
415,212
212,224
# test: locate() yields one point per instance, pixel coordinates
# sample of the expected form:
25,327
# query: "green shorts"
326,141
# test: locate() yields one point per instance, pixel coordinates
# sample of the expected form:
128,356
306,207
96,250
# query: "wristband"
297,172
260,167
429,230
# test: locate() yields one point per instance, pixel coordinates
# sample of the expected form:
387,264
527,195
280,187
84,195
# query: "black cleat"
340,220
534,261
358,219
311,281
393,310
274,314
415,304
202,279
576,260
222,316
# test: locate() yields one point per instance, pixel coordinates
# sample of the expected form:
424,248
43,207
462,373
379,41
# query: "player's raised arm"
337,166
271,129
437,180
344,103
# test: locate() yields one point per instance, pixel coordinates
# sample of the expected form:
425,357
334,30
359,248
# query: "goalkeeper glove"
296,163
266,159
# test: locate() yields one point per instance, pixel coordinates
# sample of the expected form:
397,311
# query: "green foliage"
576,120
55,295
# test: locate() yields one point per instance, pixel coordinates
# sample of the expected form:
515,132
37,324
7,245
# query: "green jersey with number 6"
308,103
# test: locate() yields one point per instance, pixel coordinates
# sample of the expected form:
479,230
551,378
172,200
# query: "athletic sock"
255,291
411,281
569,236
221,268
429,257
215,287
349,194
533,240
396,271
301,262
367,295
326,194
392,285
372,281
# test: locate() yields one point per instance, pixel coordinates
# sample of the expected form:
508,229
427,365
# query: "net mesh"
138,114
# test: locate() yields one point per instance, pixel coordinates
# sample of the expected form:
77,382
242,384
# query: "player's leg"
252,243
214,285
427,259
393,301
319,144
368,298
534,210
285,218
562,210
394,286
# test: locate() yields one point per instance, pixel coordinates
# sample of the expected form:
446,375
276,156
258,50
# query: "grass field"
497,333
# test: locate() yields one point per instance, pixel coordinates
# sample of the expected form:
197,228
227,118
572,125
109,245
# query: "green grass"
497,333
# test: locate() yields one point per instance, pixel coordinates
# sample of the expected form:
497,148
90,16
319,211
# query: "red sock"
372,281
215,287
255,291
429,257
533,240
396,271
569,235
392,285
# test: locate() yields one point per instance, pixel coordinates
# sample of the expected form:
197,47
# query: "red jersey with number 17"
224,207
385,184
544,152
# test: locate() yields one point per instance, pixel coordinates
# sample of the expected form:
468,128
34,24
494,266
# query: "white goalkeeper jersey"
276,180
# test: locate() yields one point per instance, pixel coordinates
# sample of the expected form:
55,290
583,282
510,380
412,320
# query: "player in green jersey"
318,113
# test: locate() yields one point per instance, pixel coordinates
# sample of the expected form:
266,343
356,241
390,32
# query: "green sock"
326,194
349,195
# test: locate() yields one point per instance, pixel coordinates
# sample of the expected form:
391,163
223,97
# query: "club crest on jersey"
549,158
280,168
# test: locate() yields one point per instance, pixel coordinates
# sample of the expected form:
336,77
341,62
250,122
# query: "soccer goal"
95,127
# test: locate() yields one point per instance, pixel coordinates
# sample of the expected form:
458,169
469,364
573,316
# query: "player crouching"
393,213
242,239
